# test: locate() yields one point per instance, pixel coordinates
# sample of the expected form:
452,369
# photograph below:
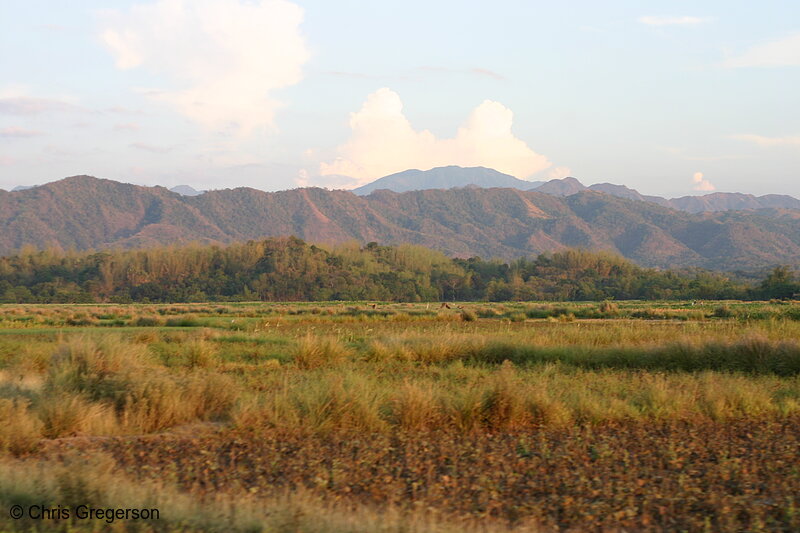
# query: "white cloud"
225,56
780,53
383,142
330,181
768,141
558,173
702,184
672,21
302,179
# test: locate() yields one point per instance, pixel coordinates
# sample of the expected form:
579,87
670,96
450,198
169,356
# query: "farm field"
351,417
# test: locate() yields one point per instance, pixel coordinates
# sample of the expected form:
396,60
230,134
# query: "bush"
147,322
723,311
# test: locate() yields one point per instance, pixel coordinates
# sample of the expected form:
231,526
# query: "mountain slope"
718,201
621,191
732,201
83,212
445,178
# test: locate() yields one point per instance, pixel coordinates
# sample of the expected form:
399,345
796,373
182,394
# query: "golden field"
611,416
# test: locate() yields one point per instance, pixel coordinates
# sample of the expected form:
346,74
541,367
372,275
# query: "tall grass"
317,352
20,431
753,354
106,386
504,398
409,376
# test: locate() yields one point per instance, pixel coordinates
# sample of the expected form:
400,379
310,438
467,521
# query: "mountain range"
454,176
83,212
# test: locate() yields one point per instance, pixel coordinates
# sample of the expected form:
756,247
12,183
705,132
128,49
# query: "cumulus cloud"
225,56
768,141
780,53
672,21
383,141
702,184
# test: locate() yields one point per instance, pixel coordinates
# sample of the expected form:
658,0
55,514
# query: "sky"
668,97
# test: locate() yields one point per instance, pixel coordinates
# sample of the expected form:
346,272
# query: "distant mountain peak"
446,177
186,190
561,187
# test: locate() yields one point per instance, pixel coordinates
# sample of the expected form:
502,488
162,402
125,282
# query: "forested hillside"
288,269
88,213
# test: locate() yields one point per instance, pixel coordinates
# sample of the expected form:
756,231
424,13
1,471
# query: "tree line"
289,269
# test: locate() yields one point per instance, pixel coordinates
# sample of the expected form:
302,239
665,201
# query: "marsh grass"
386,373
413,407
69,414
107,386
20,431
318,352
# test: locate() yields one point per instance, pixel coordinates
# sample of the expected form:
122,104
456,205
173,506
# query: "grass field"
609,416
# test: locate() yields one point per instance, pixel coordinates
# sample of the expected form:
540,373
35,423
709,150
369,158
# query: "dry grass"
319,352
20,431
350,373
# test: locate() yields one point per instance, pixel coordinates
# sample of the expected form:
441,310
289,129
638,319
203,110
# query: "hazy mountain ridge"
84,212
454,176
717,201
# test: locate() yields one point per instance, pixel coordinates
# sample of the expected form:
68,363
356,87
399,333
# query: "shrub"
723,311
147,322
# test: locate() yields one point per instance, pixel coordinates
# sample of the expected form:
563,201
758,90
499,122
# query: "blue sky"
670,98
